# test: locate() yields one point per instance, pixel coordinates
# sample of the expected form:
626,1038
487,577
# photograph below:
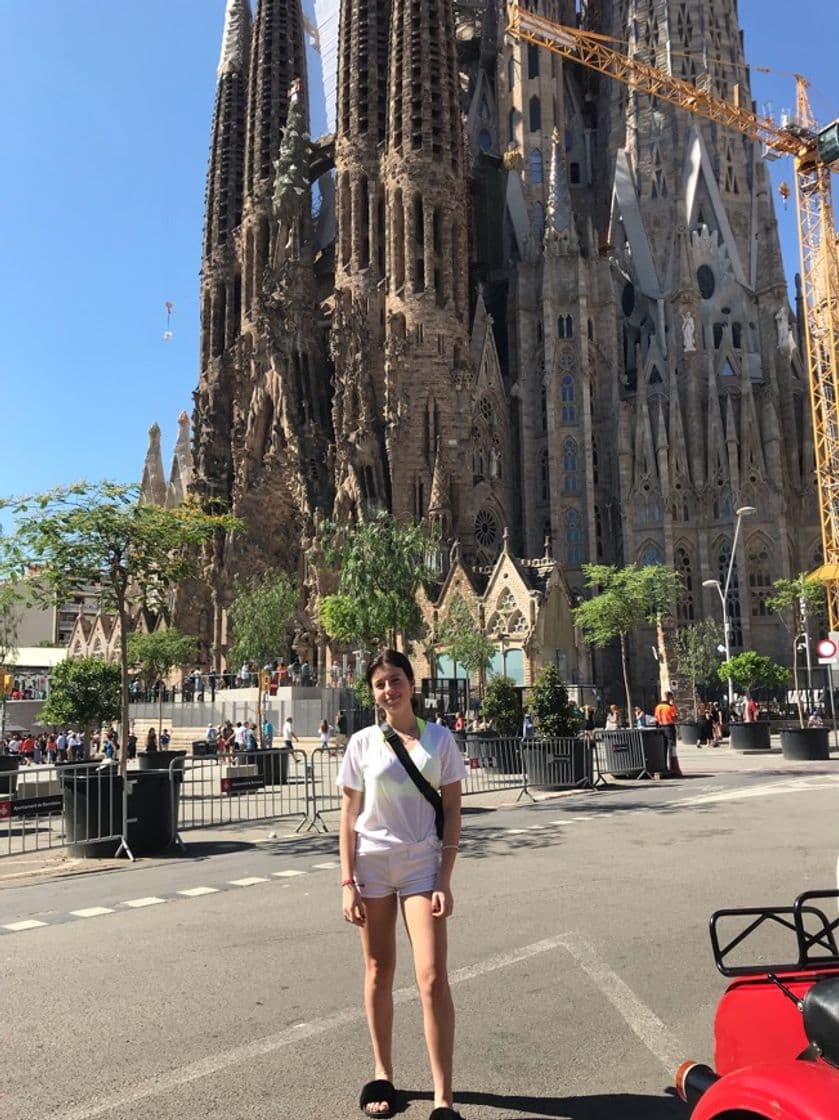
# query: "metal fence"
88,803
33,802
620,754
248,786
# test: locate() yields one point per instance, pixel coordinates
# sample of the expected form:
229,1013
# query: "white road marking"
18,927
196,892
92,912
250,882
287,874
325,866
161,1084
516,831
136,903
658,1039
768,790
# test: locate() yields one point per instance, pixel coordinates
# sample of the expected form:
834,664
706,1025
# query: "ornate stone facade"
530,300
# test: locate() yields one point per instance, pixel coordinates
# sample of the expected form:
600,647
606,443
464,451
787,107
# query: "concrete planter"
157,760
806,744
750,736
9,765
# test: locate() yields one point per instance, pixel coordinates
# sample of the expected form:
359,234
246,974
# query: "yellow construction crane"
814,153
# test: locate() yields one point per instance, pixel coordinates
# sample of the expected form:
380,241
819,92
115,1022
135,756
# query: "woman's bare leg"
428,941
378,939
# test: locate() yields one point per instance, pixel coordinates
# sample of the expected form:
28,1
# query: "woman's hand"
353,907
442,902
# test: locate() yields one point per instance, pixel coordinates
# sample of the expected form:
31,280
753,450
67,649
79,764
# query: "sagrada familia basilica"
506,295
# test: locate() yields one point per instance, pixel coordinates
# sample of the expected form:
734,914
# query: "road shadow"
600,1106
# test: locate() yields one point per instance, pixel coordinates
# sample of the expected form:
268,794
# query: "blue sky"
106,124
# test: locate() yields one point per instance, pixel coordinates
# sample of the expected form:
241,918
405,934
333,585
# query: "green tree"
156,655
796,602
697,655
548,702
460,634
624,599
9,626
750,670
84,693
100,534
260,617
501,705
381,564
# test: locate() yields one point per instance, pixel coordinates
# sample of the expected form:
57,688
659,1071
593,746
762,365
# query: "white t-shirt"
394,811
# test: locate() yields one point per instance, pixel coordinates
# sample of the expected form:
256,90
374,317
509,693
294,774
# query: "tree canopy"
461,636
100,535
260,616
750,670
548,702
84,694
501,706
381,564
697,656
796,602
624,599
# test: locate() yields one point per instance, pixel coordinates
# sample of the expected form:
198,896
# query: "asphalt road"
579,955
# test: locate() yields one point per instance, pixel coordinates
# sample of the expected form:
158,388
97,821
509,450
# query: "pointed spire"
153,486
558,212
438,504
180,475
235,43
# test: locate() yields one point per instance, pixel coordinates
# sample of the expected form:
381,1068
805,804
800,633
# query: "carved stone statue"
688,332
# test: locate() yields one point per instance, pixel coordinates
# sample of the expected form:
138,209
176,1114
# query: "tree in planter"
84,693
548,701
624,599
260,618
101,535
156,655
501,705
750,670
697,655
795,602
381,564
461,636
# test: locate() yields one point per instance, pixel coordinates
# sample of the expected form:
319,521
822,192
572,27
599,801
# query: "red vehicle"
777,1025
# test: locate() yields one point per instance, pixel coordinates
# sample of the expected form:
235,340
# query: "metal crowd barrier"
620,754
245,786
566,763
493,764
33,801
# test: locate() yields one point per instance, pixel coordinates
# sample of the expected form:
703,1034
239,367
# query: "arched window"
735,624
532,60
545,475
568,401
535,167
565,326
685,605
651,554
573,538
569,466
485,140
760,578
535,114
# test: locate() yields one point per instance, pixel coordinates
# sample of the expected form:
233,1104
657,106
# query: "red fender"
782,1091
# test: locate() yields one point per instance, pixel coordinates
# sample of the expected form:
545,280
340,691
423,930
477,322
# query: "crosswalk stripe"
286,874
92,912
249,882
136,903
17,927
195,892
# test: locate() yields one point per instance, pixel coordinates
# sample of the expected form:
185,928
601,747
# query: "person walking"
289,733
665,716
151,740
395,849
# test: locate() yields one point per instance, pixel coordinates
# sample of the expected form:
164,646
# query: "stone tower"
546,309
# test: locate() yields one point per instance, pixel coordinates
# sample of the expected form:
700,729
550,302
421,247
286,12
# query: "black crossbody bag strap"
423,785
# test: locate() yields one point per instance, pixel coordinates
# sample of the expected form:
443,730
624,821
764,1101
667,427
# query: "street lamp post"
743,511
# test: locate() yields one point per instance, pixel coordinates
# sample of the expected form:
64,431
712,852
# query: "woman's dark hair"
390,657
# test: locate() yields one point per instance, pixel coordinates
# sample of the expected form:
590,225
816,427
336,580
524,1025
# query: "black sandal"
379,1091
445,1114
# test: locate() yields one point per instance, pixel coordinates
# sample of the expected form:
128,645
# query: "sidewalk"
695,762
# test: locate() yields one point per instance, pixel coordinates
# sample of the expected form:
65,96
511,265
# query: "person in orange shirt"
665,716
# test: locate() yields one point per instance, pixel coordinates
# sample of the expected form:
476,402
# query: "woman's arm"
442,902
353,907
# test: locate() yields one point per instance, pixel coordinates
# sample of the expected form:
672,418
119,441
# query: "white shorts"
403,869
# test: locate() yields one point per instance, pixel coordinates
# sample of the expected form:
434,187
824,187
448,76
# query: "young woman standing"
391,855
